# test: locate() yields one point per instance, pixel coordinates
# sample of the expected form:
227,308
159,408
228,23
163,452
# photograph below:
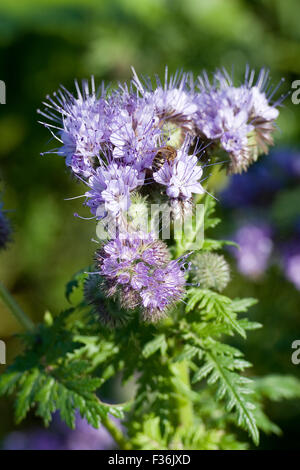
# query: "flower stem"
15,309
116,433
185,407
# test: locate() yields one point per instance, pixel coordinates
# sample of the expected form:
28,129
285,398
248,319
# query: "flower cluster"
137,268
241,119
254,240
112,140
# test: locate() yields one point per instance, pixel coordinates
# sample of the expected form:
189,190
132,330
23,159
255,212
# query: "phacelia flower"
137,268
80,124
111,186
5,230
181,176
292,269
210,271
290,259
172,102
241,118
261,183
134,137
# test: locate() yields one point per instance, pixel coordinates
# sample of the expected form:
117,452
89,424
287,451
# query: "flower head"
210,271
111,186
181,176
241,118
172,103
255,249
80,125
137,267
134,136
292,269
290,260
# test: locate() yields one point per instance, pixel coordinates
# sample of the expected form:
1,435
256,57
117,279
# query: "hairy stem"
15,309
116,433
184,405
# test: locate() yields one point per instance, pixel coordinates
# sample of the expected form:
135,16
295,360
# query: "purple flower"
181,176
162,288
85,437
111,186
290,260
135,137
172,101
60,437
80,124
137,267
292,269
36,439
5,229
255,249
241,118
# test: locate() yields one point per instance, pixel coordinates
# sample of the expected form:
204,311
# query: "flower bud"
211,271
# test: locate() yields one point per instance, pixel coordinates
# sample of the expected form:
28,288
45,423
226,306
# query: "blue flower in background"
263,180
60,437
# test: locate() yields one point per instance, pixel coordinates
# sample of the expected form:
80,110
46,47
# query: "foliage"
192,388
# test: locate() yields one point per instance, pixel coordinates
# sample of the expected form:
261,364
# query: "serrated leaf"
158,343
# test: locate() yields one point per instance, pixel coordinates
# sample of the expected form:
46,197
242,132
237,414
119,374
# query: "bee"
164,154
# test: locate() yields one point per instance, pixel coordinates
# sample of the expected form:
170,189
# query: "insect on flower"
164,154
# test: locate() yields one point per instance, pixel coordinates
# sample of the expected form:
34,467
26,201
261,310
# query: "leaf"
158,343
150,437
187,353
213,245
66,391
242,305
232,387
74,287
277,387
213,305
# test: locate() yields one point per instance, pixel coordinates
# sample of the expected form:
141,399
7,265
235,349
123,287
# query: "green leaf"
233,388
214,245
150,437
74,287
158,343
278,387
187,353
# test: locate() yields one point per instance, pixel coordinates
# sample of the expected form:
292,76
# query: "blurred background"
46,43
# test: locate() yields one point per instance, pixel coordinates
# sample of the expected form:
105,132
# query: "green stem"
184,404
15,308
116,433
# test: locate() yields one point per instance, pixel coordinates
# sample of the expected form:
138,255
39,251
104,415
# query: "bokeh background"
45,43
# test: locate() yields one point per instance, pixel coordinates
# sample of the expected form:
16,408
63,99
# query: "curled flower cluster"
145,138
112,140
210,271
137,268
241,119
